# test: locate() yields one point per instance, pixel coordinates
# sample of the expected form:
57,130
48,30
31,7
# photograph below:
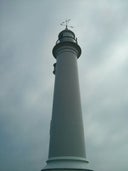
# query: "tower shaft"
67,136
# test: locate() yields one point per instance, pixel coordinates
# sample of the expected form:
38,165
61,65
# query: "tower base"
66,163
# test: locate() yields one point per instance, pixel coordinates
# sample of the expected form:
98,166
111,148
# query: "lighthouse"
67,142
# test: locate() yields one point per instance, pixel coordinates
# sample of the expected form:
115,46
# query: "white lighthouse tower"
67,145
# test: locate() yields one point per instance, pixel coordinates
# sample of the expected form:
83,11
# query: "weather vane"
65,23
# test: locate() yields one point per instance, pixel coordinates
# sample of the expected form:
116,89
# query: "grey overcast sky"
28,32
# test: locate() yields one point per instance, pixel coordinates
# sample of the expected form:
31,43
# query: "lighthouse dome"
67,36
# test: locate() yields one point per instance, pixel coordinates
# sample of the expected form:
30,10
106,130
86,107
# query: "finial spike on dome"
65,23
